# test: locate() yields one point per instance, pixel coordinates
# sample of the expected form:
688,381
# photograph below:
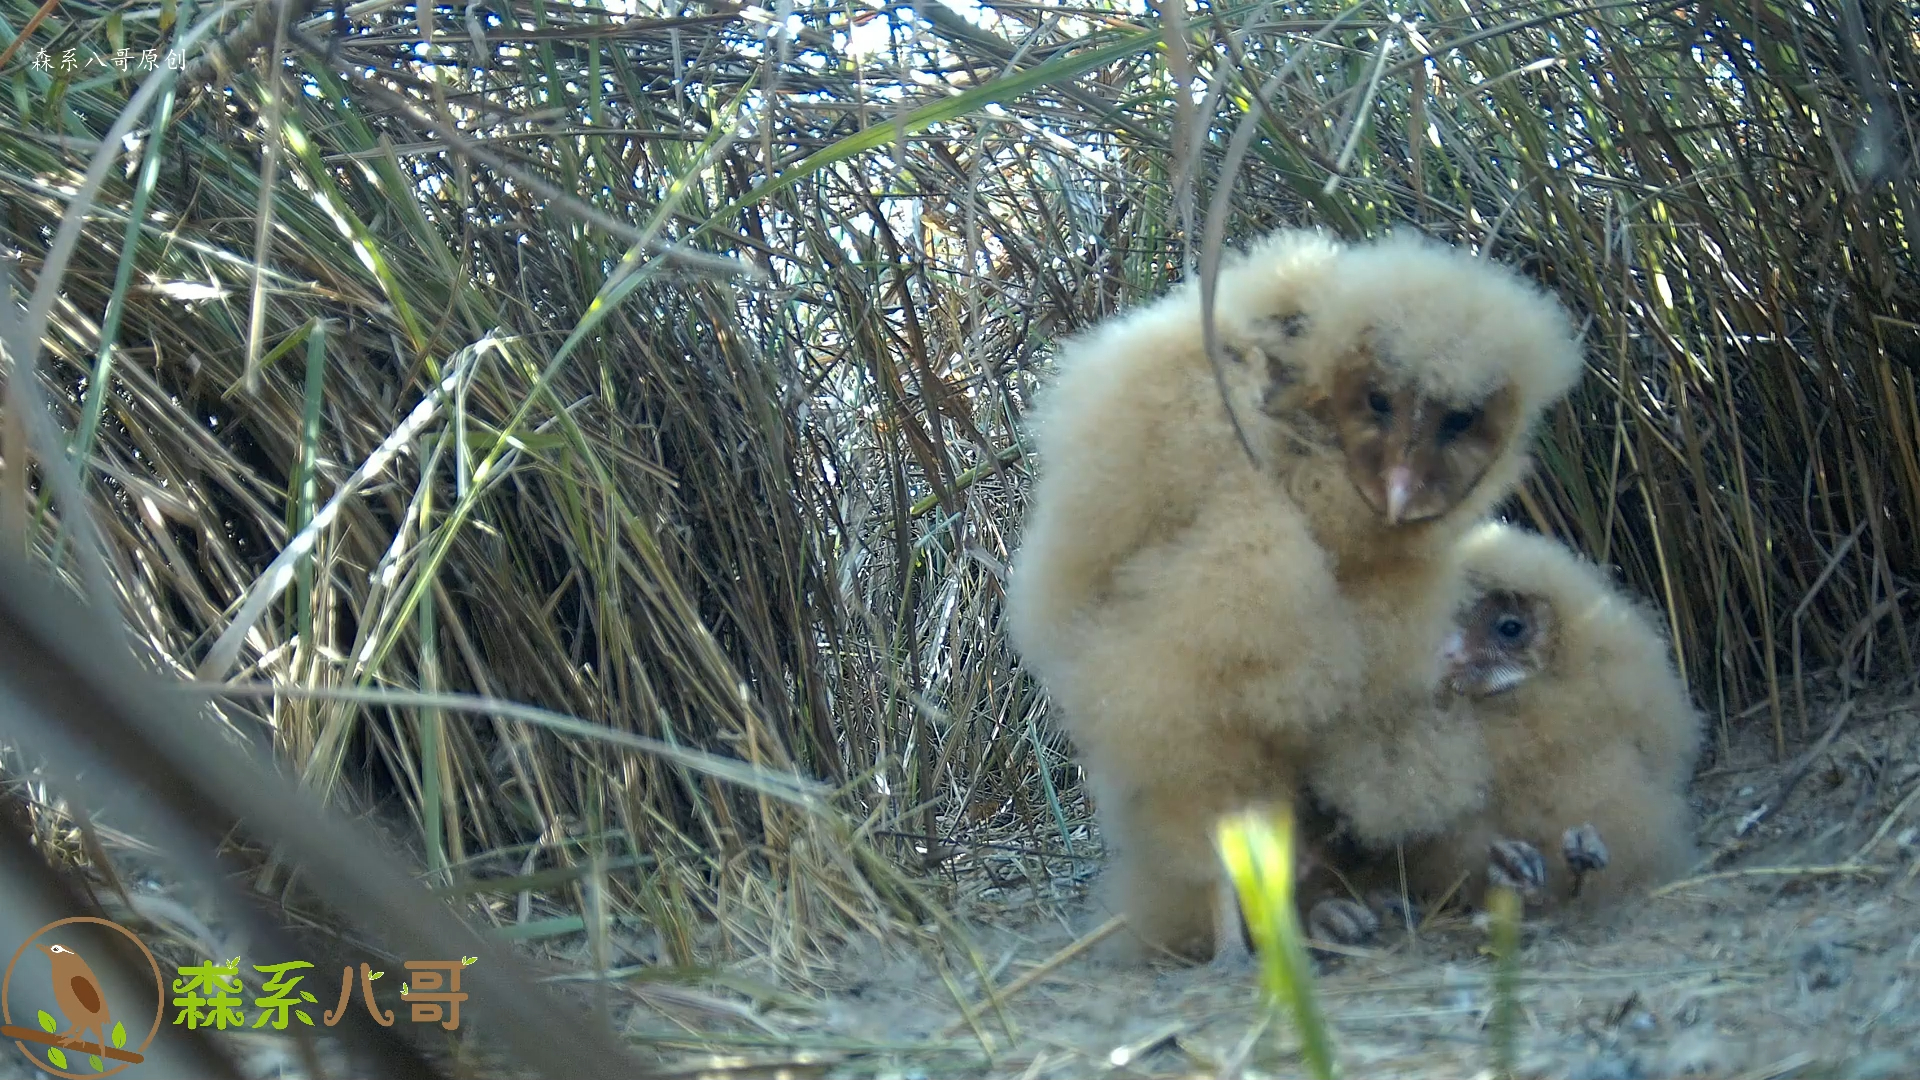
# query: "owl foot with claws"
1517,865
1340,921
1584,851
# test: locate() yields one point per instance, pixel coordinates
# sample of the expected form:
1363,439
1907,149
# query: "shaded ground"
1769,963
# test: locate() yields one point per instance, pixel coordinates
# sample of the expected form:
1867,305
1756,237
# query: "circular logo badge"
73,1021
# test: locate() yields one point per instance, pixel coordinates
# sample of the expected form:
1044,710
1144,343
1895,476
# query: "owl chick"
1592,735
1377,401
1457,360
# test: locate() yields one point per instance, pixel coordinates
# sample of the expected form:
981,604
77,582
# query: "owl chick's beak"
1503,678
1399,492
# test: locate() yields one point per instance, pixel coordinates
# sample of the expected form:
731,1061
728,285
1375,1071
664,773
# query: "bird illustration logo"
92,1042
77,993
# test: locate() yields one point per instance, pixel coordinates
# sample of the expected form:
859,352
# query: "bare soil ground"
1771,961
1791,952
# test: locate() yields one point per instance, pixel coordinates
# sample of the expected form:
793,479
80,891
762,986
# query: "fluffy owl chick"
1149,542
1385,392
1589,725
1453,361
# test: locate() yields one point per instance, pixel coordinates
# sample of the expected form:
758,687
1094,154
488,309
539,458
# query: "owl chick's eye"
1510,627
1381,404
1455,424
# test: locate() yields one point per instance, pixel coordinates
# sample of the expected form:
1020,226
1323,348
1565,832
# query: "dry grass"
664,372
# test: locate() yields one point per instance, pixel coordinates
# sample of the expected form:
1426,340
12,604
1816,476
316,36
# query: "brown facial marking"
1414,457
1504,639
1278,398
1288,326
1281,374
1282,377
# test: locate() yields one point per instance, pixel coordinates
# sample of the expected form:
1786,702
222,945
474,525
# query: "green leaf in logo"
119,1034
46,1021
98,1065
57,1058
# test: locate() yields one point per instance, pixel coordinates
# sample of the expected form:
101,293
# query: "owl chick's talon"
1342,922
1583,848
1584,851
1517,865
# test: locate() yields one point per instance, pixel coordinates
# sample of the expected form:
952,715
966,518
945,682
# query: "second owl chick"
1577,698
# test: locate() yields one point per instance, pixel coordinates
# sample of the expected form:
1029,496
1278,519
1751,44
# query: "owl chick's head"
1540,608
1413,454
1422,365
1449,361
1503,639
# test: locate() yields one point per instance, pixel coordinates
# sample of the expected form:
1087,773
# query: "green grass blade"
1258,851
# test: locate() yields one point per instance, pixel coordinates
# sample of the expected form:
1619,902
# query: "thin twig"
1839,870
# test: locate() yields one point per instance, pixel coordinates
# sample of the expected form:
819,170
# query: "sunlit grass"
1257,848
